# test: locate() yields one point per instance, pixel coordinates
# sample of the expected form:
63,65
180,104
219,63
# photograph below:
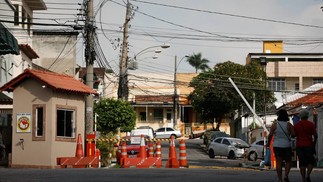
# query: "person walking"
306,137
282,131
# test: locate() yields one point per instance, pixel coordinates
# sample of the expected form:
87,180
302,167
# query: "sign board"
23,122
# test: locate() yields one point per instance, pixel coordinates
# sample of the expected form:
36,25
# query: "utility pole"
123,89
89,57
175,94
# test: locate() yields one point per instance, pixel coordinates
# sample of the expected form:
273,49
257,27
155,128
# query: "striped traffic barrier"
182,154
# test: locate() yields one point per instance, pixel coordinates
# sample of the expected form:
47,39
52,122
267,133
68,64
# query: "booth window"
39,118
65,123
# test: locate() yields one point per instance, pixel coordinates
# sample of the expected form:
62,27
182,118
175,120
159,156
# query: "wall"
57,51
43,154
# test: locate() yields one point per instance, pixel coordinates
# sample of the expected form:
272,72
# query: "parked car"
133,147
211,135
227,146
167,132
256,150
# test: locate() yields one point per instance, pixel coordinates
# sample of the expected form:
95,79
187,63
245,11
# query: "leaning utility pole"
123,89
89,57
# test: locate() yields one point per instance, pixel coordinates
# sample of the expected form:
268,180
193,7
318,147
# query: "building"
56,49
288,74
48,114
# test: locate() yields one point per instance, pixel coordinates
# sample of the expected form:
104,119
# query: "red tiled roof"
53,80
310,99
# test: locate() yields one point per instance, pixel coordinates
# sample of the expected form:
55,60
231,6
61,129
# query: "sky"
221,30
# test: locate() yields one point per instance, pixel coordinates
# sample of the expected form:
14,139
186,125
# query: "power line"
232,15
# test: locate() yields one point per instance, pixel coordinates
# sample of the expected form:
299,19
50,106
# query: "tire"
211,154
173,135
231,155
252,156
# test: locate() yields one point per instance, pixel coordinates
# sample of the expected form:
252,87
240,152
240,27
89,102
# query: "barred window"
276,84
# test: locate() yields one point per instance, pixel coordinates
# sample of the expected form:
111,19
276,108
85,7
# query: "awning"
8,43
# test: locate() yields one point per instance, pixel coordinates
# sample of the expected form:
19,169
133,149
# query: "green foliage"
107,149
114,114
214,96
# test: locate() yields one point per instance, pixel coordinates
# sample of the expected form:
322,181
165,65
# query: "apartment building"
288,73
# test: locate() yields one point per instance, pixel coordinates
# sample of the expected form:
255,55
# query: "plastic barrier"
79,161
142,161
172,160
182,154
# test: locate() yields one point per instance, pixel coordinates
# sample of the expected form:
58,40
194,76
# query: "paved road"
143,175
201,169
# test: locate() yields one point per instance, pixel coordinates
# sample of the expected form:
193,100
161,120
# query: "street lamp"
263,63
123,89
175,90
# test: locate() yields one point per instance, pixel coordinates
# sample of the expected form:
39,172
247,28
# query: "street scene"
201,168
120,90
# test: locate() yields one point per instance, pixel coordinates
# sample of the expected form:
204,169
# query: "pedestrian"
282,131
306,137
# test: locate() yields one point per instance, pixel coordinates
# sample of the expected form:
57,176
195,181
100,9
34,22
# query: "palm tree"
197,62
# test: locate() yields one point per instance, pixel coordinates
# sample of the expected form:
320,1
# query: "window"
65,122
218,140
39,118
226,142
169,114
296,86
142,116
276,84
16,14
169,129
317,80
158,114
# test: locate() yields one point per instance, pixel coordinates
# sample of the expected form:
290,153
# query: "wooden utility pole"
123,89
89,57
175,102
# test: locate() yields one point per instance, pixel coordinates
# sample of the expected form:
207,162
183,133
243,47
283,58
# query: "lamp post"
175,114
263,63
123,89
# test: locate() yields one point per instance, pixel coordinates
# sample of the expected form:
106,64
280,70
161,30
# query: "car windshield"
238,142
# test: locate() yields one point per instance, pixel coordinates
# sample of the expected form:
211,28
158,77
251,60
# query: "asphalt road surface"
201,169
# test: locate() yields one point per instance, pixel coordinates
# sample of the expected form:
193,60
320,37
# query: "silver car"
167,132
227,146
256,150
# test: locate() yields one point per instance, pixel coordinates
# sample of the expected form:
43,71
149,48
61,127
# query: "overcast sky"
221,30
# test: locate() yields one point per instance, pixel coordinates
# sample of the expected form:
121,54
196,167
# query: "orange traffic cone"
151,150
142,149
182,154
123,153
158,149
79,147
172,161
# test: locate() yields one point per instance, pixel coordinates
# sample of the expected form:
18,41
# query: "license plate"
132,156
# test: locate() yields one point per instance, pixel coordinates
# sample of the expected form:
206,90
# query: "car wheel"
231,155
211,154
252,156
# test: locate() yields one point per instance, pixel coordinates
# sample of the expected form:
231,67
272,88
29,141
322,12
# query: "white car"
227,146
256,150
167,132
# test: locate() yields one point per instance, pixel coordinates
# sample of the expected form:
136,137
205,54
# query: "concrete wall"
57,52
43,154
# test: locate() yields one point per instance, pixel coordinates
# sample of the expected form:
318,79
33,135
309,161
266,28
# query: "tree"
197,62
214,97
114,114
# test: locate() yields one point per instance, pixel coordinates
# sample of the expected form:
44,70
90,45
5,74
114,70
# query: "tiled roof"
52,80
310,96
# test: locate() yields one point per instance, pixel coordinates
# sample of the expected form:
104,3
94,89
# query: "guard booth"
48,113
